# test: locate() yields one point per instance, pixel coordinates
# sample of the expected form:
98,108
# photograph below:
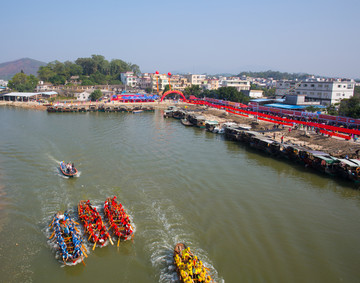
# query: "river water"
249,217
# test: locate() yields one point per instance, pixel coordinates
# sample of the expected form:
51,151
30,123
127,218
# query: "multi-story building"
326,91
195,79
144,81
129,79
236,82
159,79
211,84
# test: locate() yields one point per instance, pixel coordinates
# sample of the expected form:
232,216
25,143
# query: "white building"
83,96
3,83
129,79
326,91
235,82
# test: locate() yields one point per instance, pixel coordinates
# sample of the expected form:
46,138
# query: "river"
249,217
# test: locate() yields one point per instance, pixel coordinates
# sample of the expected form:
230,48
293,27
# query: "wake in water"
162,237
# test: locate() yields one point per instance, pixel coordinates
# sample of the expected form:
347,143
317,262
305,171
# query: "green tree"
22,83
331,110
148,90
45,73
192,90
95,95
350,107
311,108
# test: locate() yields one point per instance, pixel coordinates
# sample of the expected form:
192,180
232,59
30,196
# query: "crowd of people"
118,219
191,269
93,223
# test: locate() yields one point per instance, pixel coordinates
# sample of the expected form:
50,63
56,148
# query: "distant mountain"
29,66
276,75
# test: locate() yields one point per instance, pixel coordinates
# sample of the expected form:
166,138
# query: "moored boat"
68,169
118,219
68,239
188,266
186,122
93,224
137,111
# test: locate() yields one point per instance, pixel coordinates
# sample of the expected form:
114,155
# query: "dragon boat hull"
93,224
188,267
118,219
68,239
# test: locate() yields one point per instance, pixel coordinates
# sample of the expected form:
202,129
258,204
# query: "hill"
29,66
276,75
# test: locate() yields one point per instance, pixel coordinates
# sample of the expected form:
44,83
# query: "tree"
311,108
22,83
331,110
350,107
192,90
148,90
95,95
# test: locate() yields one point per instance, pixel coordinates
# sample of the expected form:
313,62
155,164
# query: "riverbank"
335,146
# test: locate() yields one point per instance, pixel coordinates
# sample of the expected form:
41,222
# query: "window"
305,84
312,85
349,86
319,85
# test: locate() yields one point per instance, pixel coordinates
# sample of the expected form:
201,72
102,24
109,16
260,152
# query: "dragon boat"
118,219
66,170
68,239
93,224
188,266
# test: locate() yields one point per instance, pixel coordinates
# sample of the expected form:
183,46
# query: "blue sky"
318,37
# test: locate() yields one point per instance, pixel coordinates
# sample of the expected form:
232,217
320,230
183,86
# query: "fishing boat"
93,224
118,219
68,239
188,266
67,169
137,111
186,122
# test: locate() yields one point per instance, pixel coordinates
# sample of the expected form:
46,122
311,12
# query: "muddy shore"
335,146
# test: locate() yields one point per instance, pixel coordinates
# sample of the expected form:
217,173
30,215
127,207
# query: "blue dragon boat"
68,239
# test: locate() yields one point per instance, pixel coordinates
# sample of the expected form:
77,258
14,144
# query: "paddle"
52,235
110,239
95,244
118,242
83,262
84,253
84,247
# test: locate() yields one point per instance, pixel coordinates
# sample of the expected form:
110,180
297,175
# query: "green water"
249,217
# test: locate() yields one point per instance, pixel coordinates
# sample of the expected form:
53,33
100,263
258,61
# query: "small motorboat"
93,224
68,169
188,266
68,239
137,111
118,219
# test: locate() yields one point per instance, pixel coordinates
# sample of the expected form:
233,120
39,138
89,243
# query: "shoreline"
336,147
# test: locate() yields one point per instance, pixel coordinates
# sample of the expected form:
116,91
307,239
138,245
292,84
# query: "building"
255,93
3,83
236,82
195,79
325,91
144,81
42,86
129,79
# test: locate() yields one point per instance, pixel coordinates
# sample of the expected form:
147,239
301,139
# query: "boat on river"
68,239
137,111
67,169
93,224
186,122
118,219
188,266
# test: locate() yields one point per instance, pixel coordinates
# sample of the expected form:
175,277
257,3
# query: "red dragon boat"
93,224
118,219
